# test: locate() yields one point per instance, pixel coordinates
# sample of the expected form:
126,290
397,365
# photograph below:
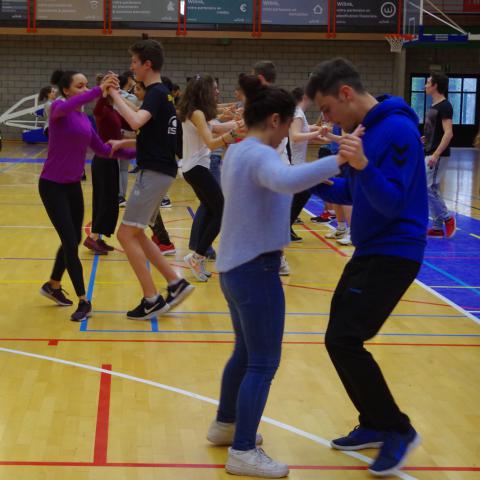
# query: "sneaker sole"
165,206
51,297
253,472
182,296
356,447
168,252
199,276
413,444
164,309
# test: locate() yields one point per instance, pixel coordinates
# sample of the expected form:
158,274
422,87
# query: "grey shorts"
145,198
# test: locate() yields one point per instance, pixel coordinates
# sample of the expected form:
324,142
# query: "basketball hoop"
396,41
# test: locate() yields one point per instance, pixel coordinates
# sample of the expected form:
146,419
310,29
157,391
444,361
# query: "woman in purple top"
70,134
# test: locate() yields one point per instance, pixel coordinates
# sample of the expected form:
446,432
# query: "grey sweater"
258,189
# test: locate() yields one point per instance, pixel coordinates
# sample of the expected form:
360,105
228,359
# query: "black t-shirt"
433,129
156,140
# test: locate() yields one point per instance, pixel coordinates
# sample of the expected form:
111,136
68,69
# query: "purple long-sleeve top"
70,134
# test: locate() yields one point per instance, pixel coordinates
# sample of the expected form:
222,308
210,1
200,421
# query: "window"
462,94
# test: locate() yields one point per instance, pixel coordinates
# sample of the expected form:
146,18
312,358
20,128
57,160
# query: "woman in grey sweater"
248,261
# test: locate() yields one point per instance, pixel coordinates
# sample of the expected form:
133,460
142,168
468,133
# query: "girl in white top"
196,109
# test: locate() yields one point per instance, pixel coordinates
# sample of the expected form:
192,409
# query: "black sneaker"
55,294
122,202
84,310
135,169
166,203
294,237
178,292
298,221
146,310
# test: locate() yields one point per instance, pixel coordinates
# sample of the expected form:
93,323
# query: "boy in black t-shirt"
438,134
156,125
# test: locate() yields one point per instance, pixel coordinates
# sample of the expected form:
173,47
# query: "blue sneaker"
393,454
359,438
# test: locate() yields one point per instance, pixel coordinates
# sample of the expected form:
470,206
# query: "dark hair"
141,84
175,87
62,79
199,95
267,69
122,81
298,93
44,93
441,81
149,50
264,100
329,76
128,74
167,82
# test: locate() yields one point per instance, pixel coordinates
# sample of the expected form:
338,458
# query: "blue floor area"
451,266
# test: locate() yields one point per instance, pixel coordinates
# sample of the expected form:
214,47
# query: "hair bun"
56,77
252,87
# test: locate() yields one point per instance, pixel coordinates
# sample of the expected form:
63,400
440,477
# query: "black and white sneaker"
294,237
146,310
84,310
55,294
178,292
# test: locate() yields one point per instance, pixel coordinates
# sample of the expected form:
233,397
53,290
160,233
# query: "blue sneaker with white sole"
358,439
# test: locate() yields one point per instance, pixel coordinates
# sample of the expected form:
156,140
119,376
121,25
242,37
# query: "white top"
299,149
282,151
195,152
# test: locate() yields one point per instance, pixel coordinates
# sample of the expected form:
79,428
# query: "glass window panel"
418,104
469,84
456,100
455,84
468,113
418,84
429,102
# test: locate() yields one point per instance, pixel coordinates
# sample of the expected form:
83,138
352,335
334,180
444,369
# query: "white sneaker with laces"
222,434
254,463
195,266
337,233
203,268
345,240
284,267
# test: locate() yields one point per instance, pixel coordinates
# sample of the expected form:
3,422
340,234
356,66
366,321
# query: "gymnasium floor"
116,399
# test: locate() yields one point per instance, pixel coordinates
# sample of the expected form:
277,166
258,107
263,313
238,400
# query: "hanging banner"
219,11
300,12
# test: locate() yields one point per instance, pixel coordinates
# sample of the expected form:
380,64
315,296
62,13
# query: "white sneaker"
345,240
284,267
195,267
203,268
222,434
337,233
254,463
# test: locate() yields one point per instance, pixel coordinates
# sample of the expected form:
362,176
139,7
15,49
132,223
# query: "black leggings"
210,195
105,195
64,206
299,201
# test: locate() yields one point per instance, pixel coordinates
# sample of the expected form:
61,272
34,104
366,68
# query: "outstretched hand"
109,83
351,149
116,145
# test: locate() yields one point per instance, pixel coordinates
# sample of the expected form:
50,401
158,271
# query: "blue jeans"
436,205
199,218
256,302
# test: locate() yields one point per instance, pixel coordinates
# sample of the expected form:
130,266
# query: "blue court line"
91,284
215,332
451,277
191,212
22,160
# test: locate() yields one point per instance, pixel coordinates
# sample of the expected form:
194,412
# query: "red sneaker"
166,249
434,232
323,218
450,227
91,244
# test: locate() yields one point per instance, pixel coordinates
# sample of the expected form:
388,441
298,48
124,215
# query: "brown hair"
199,95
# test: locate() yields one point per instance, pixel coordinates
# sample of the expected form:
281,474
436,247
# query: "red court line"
218,466
103,413
329,245
139,340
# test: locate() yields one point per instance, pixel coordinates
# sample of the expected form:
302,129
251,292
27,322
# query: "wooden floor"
117,399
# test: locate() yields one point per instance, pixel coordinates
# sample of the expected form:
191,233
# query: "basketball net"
396,42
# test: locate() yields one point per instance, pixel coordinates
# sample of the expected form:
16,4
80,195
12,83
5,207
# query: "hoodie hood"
389,105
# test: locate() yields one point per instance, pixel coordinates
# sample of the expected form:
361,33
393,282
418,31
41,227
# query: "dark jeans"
199,218
299,201
256,302
368,291
210,195
64,206
105,183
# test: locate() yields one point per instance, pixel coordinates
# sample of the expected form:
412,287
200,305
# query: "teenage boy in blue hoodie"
385,182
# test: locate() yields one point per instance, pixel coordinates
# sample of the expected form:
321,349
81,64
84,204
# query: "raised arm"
136,119
60,108
200,122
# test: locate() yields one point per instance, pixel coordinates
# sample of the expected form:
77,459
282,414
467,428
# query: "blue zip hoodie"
389,197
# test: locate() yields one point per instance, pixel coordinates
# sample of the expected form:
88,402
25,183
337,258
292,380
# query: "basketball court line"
289,428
